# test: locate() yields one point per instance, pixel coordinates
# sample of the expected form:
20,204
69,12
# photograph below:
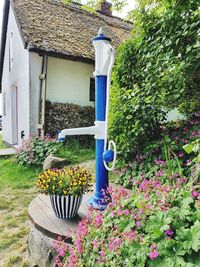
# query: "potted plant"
65,188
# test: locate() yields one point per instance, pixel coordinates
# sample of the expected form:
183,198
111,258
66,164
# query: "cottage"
46,54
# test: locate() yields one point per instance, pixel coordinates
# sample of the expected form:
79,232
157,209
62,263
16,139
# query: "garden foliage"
35,149
177,140
157,70
157,225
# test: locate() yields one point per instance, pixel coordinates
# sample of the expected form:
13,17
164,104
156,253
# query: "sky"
130,6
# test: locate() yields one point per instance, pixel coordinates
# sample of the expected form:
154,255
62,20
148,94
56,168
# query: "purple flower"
159,173
169,232
160,162
188,161
138,224
183,180
181,154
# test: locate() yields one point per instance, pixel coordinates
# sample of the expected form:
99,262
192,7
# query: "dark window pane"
92,89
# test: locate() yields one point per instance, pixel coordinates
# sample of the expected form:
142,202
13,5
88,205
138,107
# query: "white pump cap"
103,50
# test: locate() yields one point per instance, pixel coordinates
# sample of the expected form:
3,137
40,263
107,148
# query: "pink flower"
180,154
195,193
159,173
130,235
126,212
119,212
153,255
95,243
78,245
138,224
188,161
61,252
111,246
140,210
99,220
102,253
153,246
153,252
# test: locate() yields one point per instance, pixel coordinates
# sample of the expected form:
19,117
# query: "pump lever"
110,156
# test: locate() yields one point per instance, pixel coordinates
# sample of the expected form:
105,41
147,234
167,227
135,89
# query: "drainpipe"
42,100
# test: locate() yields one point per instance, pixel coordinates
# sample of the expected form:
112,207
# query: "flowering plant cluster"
169,152
157,224
68,181
35,149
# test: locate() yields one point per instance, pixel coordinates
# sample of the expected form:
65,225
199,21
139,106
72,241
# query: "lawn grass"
1,142
17,189
76,155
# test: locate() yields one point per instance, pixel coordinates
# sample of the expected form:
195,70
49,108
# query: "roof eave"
3,37
61,55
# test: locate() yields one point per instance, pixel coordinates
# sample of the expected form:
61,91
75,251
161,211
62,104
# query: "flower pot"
66,207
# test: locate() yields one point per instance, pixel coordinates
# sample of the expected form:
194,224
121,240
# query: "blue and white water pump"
104,61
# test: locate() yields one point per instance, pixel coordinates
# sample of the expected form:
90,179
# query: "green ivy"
157,69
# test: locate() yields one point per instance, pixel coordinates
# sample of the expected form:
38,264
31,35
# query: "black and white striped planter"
66,207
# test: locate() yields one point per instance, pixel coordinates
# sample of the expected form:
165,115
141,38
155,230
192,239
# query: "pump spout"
92,130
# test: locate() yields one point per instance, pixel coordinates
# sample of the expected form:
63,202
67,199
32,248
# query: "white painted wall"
0,104
19,75
174,115
69,81
35,71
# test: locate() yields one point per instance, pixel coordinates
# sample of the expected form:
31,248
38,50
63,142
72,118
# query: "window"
11,51
92,89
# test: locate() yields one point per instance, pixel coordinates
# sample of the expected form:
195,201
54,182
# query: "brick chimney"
105,8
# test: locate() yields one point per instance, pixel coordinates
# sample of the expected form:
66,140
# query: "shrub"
156,70
35,149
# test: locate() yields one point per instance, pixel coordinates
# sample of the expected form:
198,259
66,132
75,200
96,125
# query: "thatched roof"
52,26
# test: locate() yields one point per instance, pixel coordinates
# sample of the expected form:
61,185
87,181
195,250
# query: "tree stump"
45,228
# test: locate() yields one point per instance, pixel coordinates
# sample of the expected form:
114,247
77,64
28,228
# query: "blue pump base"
96,203
61,140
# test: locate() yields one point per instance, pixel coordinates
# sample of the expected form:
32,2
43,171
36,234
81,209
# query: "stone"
41,250
54,162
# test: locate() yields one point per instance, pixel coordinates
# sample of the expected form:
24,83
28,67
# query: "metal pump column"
102,58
